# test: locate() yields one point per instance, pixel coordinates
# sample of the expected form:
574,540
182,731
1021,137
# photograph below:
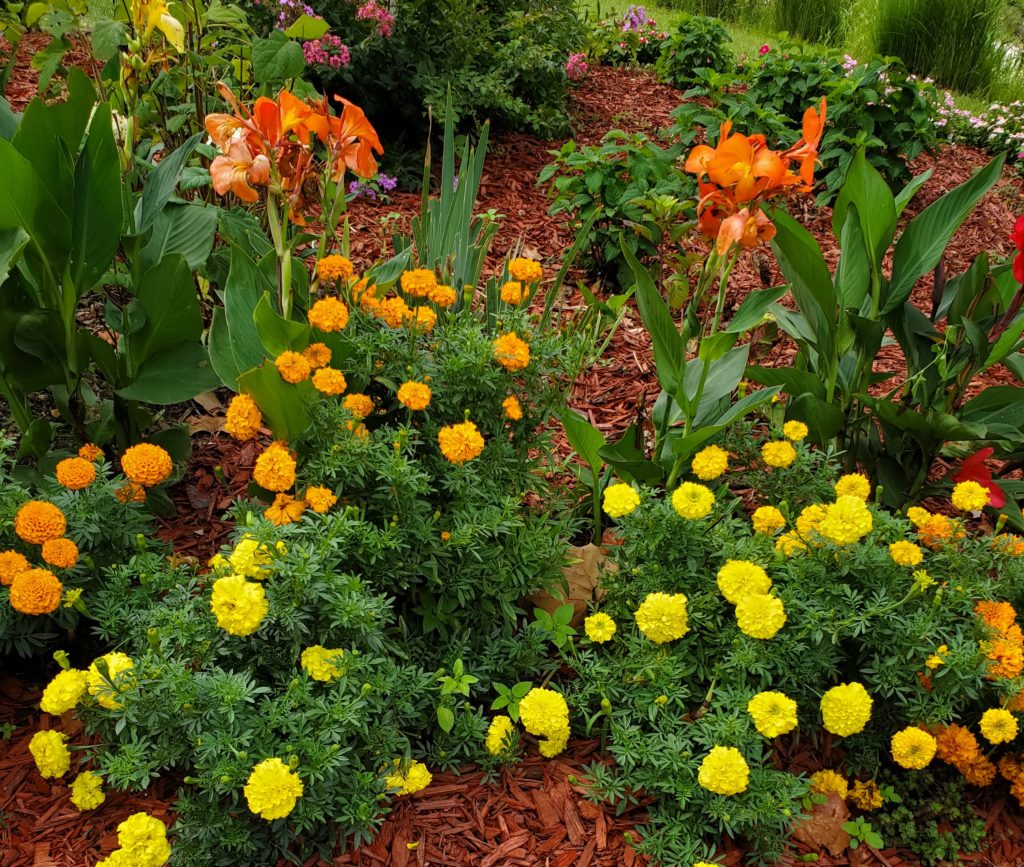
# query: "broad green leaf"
185,229
307,27
277,333
792,381
222,355
25,369
26,203
628,459
866,189
585,439
687,446
853,273
161,183
276,59
280,402
824,419
107,36
906,195
168,295
8,120
753,308
172,376
12,243
245,285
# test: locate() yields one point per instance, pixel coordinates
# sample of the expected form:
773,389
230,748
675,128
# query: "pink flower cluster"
328,50
576,67
374,11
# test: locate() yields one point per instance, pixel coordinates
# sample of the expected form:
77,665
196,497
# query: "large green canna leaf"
168,296
281,403
185,229
26,203
586,440
172,376
875,208
161,183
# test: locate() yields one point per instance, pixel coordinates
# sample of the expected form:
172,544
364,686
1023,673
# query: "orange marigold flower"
90,452
525,270
146,465
243,419
292,366
1007,659
1017,790
36,522
320,499
1008,543
366,296
327,380
12,564
421,319
511,352
999,615
414,395
62,553
35,591
285,510
514,292
418,282
460,442
938,530
329,314
131,493
512,407
275,468
358,429
979,771
75,473
1011,767
956,745
333,268
443,296
317,354
394,311
360,405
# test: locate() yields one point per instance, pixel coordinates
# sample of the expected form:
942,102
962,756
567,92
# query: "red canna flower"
1017,236
973,469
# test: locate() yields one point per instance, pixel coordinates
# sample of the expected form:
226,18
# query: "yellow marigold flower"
105,688
905,553
51,754
795,431
913,748
738,579
619,500
512,407
35,591
421,319
284,510
825,781
693,501
272,789
322,663
414,395
443,296
767,520
789,544
238,605
394,311
847,520
64,692
511,352
970,496
709,463
87,791
760,616
554,743
418,282
360,405
514,292
935,660
36,522
143,841
543,712
329,314
75,473
525,270
918,516
131,493
292,366
846,709
90,452
461,442
662,617
866,796
809,518
778,454
411,780
318,355
724,771
62,553
275,468
146,465
243,419
773,713
499,735
248,558
333,268
853,485
12,564
599,627
922,580
998,726
320,499
329,381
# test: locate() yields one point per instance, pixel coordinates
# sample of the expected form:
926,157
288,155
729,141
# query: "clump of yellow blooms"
853,485
662,617
35,591
545,714
767,520
419,282
778,454
243,418
87,791
511,351
146,464
318,355
525,270
238,605
866,795
443,296
12,564
760,616
51,754
738,579
275,468
293,366
998,726
935,660
62,553
599,627
970,496
64,692
709,463
272,789
773,713
414,778
619,500
75,473
414,395
333,268
143,842
514,292
107,687
513,409
91,452
847,520
322,663
913,748
692,501
320,499
360,405
460,443
394,311
825,781
846,709
724,771
499,735
329,314
905,553
37,521
795,431
284,510
329,381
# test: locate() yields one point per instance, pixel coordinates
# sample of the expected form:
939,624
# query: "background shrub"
698,43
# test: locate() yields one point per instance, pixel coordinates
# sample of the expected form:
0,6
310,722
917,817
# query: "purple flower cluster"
289,11
374,11
576,66
328,50
383,184
634,18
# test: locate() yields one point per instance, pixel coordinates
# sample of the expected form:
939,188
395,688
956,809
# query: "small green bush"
699,43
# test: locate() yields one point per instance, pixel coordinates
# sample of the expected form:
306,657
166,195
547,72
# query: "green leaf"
277,333
168,295
276,59
35,442
445,718
585,439
792,381
107,36
906,195
280,402
628,459
853,273
866,189
222,351
26,203
307,27
185,229
687,446
172,376
823,419
161,183
753,308
12,243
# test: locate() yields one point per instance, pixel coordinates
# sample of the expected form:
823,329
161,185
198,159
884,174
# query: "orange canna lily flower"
697,161
750,170
352,141
237,169
746,229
